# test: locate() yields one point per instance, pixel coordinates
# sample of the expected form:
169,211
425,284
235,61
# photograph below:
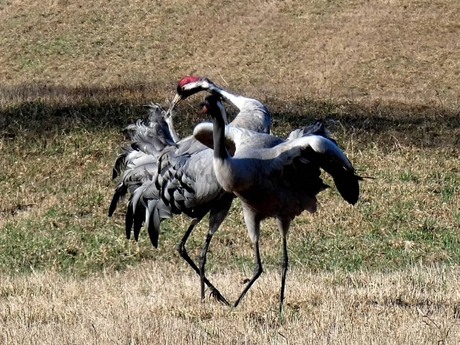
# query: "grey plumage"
274,177
165,176
137,168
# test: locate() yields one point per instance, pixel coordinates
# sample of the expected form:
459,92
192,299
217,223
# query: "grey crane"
167,176
274,177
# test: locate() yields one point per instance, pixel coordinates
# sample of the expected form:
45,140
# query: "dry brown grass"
159,304
404,51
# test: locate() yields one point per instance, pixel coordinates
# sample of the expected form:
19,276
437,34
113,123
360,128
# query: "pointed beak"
204,108
177,98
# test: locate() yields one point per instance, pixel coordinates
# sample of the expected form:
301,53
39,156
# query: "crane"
167,176
274,177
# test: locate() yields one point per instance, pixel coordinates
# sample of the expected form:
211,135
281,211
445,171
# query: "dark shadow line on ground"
41,110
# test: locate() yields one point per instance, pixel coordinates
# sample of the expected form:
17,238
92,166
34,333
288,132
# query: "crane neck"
229,97
220,151
172,131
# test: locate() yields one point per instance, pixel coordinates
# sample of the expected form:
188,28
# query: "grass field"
383,74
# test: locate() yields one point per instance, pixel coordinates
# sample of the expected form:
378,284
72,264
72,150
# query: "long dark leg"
183,253
202,261
214,292
181,248
252,221
283,225
258,271
284,266
216,217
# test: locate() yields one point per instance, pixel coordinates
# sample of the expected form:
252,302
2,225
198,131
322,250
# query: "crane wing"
323,152
138,160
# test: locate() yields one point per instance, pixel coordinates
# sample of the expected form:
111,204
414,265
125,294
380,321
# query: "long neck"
172,131
253,115
220,150
236,100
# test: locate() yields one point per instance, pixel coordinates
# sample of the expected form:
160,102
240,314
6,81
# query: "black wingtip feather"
153,234
129,221
118,166
348,186
114,203
138,220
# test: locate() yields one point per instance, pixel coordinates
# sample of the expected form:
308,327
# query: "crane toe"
216,295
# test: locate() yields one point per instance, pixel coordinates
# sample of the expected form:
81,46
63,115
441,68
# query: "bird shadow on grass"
41,110
401,124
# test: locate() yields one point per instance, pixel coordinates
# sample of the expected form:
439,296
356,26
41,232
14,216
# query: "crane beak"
204,109
177,98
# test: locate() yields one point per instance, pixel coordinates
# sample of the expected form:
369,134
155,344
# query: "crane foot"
215,294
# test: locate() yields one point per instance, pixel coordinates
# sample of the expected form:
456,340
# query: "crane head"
187,87
190,85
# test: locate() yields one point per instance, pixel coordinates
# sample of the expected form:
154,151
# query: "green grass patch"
58,160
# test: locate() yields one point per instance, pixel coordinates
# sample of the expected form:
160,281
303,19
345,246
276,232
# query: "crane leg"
284,266
215,293
183,253
258,271
217,215
283,225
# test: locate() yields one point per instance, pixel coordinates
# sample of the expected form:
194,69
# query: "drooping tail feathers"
137,169
345,180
